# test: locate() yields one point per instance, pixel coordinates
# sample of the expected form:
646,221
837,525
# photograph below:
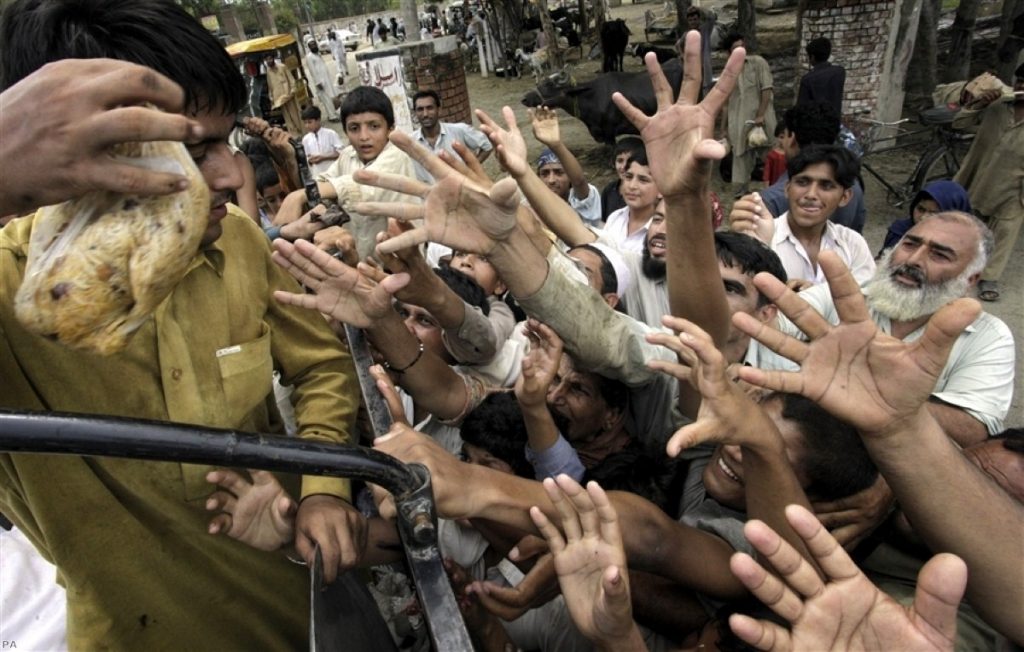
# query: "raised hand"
339,291
750,216
727,414
590,562
539,365
509,144
545,125
457,212
260,513
846,611
680,136
861,375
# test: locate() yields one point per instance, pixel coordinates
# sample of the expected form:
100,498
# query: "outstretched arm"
881,385
680,146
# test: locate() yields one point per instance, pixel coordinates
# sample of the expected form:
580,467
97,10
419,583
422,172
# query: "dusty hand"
871,380
337,527
260,513
58,124
509,144
339,291
334,238
680,135
727,414
545,125
456,212
589,559
540,365
749,215
846,612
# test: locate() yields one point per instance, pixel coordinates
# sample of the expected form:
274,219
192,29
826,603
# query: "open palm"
845,611
854,370
339,291
589,558
679,136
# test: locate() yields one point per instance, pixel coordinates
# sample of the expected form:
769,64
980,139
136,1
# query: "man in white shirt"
321,144
821,178
320,79
628,225
436,135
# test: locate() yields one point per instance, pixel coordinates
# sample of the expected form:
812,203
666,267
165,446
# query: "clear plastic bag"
98,266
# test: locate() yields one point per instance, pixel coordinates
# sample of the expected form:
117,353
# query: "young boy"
611,196
321,143
368,119
821,178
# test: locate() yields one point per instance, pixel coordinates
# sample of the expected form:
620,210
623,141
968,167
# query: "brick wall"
442,71
859,31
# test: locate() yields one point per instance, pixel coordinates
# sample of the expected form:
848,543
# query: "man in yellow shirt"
130,538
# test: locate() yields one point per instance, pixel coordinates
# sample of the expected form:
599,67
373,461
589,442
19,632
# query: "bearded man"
936,262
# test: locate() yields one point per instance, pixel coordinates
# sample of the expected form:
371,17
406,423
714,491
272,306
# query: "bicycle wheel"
939,164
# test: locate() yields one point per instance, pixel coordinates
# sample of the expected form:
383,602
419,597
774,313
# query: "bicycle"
943,149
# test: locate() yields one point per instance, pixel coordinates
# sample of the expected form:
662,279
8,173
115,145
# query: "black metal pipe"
155,440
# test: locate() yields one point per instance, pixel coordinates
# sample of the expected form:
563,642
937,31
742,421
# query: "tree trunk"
1011,39
921,73
600,15
555,54
746,23
894,71
958,65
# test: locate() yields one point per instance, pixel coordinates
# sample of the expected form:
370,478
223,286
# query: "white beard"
898,302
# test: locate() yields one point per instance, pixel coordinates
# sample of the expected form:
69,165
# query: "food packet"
98,266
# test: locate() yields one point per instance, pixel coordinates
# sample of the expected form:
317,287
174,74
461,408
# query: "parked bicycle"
942,148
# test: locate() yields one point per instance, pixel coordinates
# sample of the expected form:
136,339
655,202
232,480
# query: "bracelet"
419,354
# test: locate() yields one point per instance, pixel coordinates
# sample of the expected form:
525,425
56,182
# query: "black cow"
592,103
664,55
614,39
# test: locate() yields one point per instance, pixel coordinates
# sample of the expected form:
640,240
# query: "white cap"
614,256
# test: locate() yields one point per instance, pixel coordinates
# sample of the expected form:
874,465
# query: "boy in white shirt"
322,144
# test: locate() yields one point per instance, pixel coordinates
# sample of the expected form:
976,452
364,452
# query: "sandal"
988,291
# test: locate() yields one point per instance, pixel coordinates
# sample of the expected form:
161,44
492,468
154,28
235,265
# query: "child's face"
480,457
368,134
638,187
272,197
479,269
311,125
620,163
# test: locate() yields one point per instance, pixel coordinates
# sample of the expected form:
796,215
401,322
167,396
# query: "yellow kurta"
128,537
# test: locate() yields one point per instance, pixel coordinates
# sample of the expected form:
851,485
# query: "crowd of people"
648,425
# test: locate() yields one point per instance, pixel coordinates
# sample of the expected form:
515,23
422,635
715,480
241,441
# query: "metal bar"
151,440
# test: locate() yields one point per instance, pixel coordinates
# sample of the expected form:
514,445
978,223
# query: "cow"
614,39
664,55
591,101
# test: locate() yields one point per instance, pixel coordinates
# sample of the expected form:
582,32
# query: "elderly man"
936,262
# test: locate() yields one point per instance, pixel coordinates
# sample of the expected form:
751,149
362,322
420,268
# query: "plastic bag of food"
757,137
98,266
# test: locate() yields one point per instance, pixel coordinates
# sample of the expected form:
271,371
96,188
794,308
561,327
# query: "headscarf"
949,195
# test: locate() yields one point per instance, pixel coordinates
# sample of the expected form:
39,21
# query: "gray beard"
887,296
